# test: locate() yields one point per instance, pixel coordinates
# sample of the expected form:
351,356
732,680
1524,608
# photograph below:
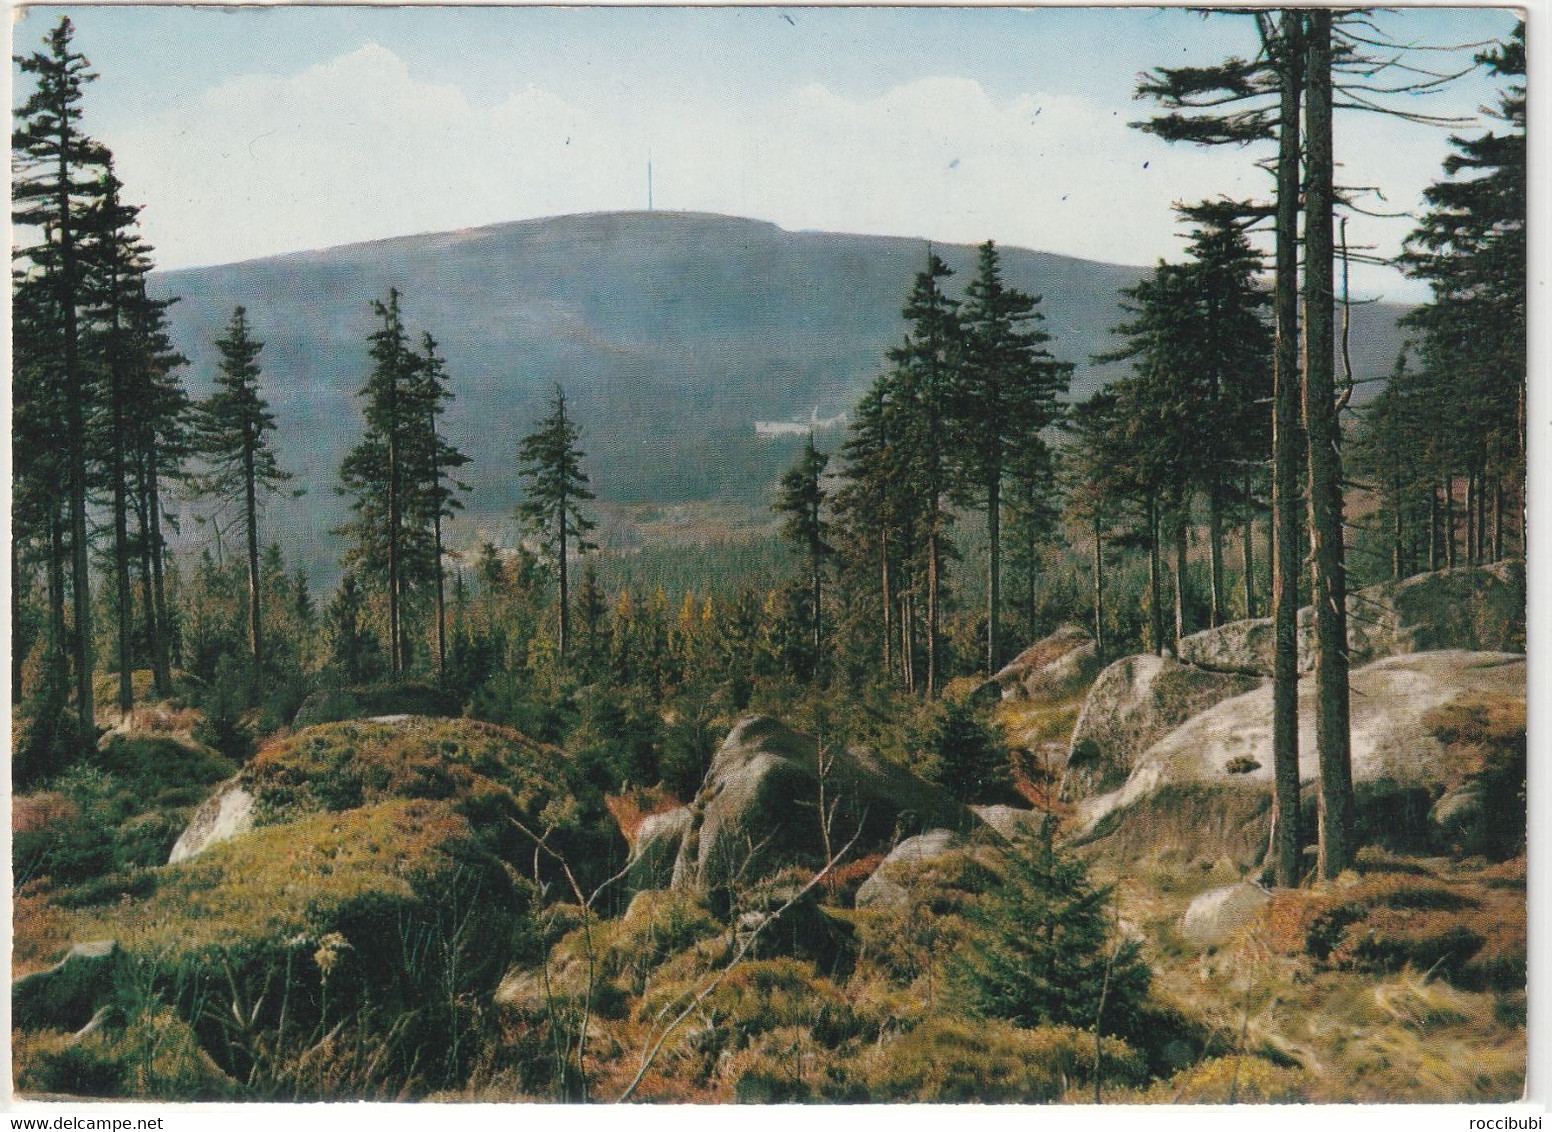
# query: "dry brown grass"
40,933
1476,732
636,805
1470,932
32,812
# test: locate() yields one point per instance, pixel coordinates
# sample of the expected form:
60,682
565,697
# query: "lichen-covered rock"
1134,703
1203,787
760,805
1215,916
1057,666
1247,647
67,995
1475,608
1479,608
1011,822
886,887
225,814
656,848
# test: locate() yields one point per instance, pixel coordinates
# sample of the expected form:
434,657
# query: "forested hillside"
672,333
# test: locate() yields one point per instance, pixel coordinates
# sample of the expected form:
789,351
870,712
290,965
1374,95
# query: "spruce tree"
1043,950
971,764
117,264
551,464
925,366
1234,356
876,518
378,474
56,176
437,498
801,500
162,431
1242,102
1007,387
1031,500
1470,248
1096,492
232,427
1158,427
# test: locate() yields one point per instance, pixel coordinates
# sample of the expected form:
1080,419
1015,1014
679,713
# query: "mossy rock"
156,1054
67,994
283,880
333,705
390,911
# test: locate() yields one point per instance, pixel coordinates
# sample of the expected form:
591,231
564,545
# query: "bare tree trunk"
441,596
1498,522
81,587
993,572
888,599
436,546
932,601
1322,437
1215,551
565,633
1482,544
163,648
122,596
1155,581
255,596
1471,516
1449,519
1248,531
818,599
1433,526
1284,524
16,613
1099,592
147,600
395,659
1180,578
58,649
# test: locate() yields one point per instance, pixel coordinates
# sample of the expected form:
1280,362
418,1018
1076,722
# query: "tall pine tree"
801,500
925,366
56,179
232,428
1007,390
438,460
551,464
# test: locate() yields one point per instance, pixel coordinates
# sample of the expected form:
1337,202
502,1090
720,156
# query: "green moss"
281,880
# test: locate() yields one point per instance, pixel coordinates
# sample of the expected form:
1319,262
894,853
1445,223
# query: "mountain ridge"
672,333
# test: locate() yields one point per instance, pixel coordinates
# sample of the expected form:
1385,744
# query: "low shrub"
365,701
1470,933
154,1056
948,1059
1233,1079
120,813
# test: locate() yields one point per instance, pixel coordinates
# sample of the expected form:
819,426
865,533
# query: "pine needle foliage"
1044,950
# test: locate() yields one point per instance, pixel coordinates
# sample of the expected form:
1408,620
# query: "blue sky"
260,131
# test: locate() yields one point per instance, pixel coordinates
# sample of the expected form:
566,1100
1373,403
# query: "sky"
253,132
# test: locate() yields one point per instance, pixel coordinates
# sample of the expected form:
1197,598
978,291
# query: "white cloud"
358,148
